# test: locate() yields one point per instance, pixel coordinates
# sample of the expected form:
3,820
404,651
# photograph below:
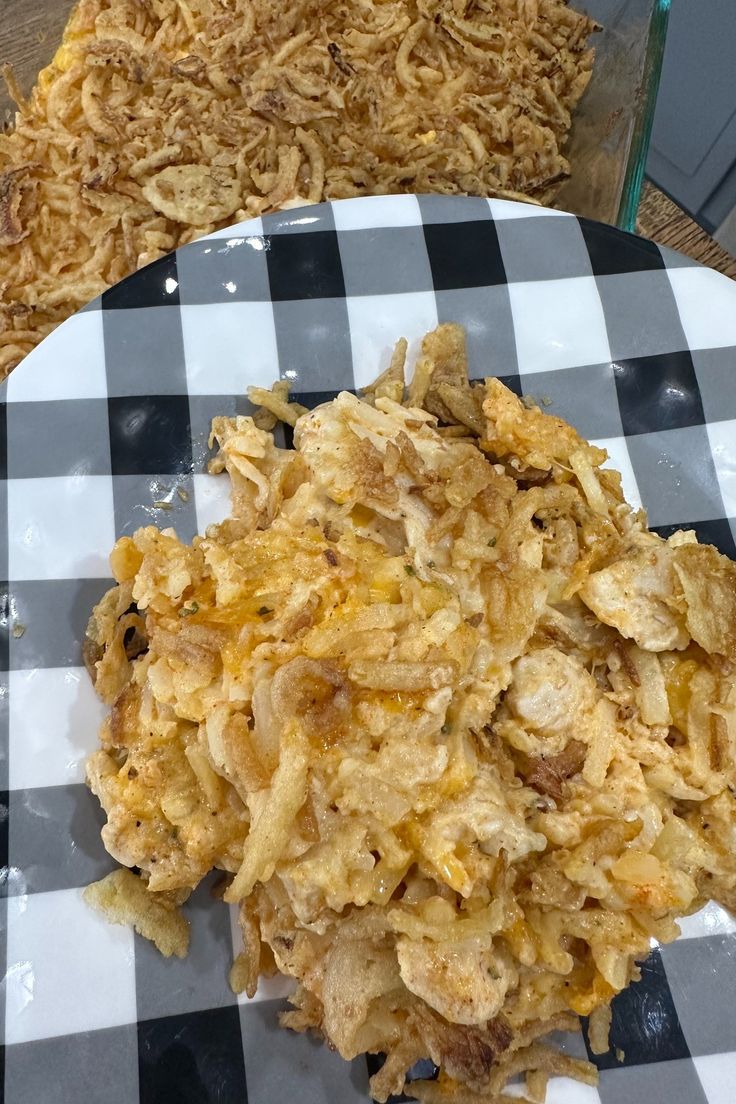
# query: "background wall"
693,151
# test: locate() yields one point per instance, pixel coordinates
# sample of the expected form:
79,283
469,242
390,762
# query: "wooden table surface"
667,224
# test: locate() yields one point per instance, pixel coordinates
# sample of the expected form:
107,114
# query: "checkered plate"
109,418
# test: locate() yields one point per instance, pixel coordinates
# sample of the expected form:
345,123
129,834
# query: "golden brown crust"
158,122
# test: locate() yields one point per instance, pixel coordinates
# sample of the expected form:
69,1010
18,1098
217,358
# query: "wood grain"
667,224
30,32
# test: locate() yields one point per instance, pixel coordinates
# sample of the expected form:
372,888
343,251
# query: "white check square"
68,970
509,209
54,719
558,324
378,321
238,337
211,499
705,301
247,228
722,437
78,352
712,919
375,211
60,528
717,1073
563,1090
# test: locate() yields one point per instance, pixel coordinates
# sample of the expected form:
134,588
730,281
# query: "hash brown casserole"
459,731
159,121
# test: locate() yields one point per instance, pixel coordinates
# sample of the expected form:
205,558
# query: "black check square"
717,532
156,285
645,1003
658,392
305,266
150,435
612,251
196,1058
464,255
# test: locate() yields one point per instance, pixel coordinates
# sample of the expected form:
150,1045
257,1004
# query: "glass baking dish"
611,127
613,121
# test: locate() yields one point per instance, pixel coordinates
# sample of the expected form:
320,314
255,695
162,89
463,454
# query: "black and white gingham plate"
109,418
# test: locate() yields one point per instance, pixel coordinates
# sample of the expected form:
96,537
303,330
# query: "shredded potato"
162,120
454,790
